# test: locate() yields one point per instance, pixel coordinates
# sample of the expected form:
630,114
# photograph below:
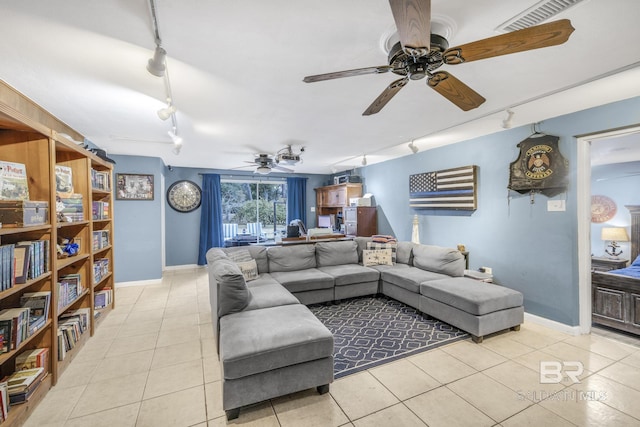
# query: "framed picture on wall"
133,186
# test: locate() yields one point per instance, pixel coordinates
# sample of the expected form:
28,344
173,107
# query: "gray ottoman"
271,352
476,307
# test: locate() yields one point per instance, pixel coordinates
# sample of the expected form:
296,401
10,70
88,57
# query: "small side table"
606,264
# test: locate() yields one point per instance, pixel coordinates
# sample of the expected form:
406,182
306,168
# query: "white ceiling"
236,70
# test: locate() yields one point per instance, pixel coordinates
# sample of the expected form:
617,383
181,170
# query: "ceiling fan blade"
413,21
252,165
385,96
348,73
545,35
455,91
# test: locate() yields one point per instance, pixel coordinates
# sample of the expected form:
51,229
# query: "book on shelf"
100,210
7,268
73,210
102,298
22,256
38,304
100,269
13,181
19,317
101,239
4,400
22,384
100,180
5,335
70,327
38,258
36,358
69,288
64,181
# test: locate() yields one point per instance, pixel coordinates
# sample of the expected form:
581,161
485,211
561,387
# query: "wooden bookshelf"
31,136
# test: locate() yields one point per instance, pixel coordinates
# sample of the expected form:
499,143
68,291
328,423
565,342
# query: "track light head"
165,113
177,139
414,149
156,65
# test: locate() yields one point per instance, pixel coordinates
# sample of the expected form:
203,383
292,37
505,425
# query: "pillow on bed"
636,262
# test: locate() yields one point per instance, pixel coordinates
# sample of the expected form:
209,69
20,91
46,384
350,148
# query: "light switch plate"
556,205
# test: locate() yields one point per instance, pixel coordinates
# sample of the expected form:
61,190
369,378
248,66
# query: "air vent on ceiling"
536,14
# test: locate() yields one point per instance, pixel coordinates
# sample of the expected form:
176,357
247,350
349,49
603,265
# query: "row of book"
100,269
23,261
31,369
103,298
101,239
19,323
100,210
100,180
71,326
70,287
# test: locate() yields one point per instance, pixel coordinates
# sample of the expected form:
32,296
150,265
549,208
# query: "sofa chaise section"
476,307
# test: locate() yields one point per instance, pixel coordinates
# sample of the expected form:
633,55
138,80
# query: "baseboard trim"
552,324
138,283
183,267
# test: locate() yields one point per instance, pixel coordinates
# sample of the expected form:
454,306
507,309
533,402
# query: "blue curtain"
211,234
297,199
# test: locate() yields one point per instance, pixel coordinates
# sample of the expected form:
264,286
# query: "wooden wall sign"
540,167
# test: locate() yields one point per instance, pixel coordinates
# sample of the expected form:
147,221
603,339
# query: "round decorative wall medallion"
602,208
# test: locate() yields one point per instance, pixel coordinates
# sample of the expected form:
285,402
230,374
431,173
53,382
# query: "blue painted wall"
138,248
618,183
530,249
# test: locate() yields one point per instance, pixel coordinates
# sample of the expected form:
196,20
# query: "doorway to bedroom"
608,167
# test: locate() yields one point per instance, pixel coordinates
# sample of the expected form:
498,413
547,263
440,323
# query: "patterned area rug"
370,331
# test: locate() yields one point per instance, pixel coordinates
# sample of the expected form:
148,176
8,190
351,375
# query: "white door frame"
584,219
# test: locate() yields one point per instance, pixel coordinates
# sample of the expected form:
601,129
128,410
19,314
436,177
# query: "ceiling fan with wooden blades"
419,54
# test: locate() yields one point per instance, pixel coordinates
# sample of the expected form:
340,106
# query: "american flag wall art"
449,189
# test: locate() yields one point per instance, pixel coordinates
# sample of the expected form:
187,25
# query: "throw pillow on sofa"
233,294
393,247
376,257
249,270
240,255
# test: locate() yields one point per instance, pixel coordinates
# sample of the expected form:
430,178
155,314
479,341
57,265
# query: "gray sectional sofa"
270,344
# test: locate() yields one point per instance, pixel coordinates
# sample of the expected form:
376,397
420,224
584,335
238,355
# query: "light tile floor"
153,363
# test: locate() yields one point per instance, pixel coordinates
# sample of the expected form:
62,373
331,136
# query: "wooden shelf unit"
32,136
332,199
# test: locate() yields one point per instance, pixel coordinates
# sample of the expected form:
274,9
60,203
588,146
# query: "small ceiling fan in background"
419,54
265,163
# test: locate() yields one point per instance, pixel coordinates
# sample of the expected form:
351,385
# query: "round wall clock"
602,208
184,196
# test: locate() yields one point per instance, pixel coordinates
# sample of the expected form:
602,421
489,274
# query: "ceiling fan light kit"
420,52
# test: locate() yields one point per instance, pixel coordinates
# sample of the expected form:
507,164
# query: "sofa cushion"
215,254
447,261
362,245
336,253
382,268
404,253
303,280
471,296
409,278
270,295
262,340
263,279
349,274
233,294
259,253
291,258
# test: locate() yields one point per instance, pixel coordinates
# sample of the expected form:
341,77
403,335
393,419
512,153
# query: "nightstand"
606,264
